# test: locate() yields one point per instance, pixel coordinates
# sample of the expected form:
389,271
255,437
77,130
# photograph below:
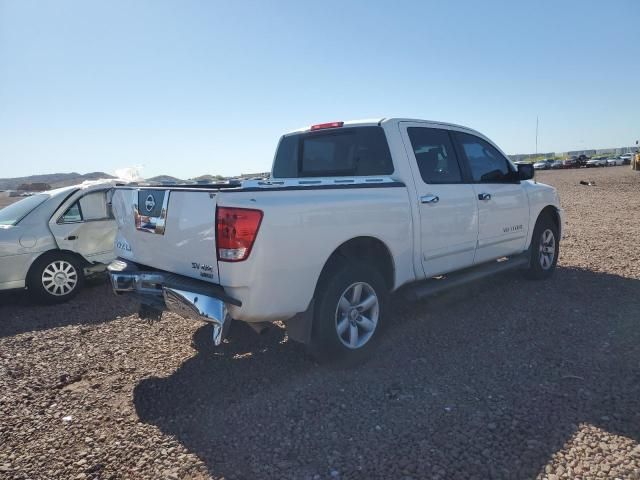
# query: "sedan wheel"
59,278
55,277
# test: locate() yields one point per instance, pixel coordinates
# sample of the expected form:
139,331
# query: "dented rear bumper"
187,297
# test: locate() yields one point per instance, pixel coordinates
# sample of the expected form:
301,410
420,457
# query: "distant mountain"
164,179
209,178
56,180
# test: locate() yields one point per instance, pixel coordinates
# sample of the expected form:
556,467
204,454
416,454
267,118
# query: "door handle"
484,196
72,237
429,199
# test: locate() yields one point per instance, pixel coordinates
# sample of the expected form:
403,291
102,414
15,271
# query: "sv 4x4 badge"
206,271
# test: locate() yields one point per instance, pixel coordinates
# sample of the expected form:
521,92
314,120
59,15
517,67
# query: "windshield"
15,212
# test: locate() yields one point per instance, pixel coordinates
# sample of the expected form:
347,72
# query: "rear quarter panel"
299,232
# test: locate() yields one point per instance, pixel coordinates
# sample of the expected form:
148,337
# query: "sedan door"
503,204
447,207
87,227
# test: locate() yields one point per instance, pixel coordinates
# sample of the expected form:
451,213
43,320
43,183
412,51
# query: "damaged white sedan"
50,241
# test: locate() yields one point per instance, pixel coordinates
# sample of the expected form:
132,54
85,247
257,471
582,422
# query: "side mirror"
525,171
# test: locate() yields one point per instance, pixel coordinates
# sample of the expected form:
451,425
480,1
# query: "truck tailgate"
168,229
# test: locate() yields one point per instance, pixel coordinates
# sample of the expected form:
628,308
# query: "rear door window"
356,151
94,206
435,156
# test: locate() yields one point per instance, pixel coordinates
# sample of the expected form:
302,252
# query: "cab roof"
369,122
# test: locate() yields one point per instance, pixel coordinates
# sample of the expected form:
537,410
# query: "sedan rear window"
355,151
15,212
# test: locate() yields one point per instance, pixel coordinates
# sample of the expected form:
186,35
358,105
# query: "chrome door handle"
484,196
429,199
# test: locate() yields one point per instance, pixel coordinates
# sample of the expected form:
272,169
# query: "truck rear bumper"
184,296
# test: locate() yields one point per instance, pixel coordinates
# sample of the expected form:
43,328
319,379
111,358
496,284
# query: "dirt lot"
6,200
504,379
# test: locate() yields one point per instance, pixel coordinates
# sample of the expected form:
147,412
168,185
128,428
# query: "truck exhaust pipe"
260,327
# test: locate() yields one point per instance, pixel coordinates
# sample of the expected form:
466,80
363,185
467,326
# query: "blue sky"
193,87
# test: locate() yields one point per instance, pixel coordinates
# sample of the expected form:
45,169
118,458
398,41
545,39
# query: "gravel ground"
504,379
6,200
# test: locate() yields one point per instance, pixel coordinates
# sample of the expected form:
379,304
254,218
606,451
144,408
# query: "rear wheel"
55,278
544,250
350,304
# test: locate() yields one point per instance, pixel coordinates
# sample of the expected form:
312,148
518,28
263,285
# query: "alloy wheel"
357,315
547,249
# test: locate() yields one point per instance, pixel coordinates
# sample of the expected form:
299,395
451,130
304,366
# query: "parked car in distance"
571,163
50,241
544,164
614,161
626,158
351,212
582,160
557,164
597,162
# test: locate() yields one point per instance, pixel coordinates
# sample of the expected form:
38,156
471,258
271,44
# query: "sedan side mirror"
525,171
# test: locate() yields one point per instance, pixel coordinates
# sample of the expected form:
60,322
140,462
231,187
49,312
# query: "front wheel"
55,278
350,304
544,249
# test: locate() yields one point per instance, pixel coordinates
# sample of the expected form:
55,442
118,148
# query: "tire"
349,309
55,277
544,249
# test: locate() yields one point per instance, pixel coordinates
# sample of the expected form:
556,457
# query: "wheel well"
369,250
80,258
552,212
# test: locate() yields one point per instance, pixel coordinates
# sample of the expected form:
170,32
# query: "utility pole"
536,135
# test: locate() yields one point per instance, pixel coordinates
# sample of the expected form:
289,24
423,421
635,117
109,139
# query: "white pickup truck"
351,212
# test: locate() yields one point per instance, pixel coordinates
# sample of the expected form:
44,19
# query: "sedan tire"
55,277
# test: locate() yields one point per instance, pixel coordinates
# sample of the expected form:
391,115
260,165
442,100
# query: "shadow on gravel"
94,304
485,382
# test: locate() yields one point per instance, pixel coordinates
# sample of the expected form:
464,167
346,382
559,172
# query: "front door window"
486,163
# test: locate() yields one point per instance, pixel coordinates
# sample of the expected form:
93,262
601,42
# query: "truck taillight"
236,230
